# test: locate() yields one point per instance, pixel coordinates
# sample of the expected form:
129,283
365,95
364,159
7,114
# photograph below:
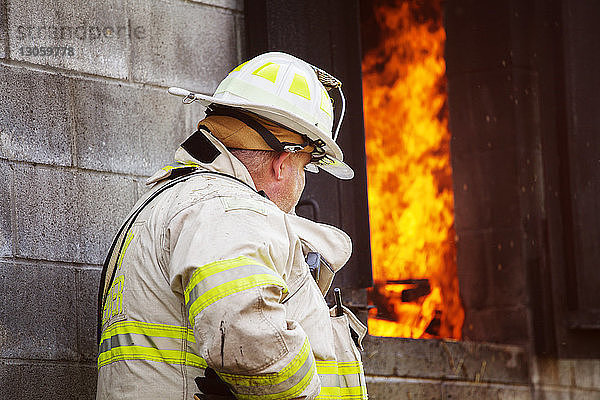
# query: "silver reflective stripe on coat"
285,384
220,279
341,380
134,340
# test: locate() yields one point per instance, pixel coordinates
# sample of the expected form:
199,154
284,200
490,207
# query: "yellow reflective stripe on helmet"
341,380
326,105
239,67
267,71
220,279
262,96
134,340
288,383
299,86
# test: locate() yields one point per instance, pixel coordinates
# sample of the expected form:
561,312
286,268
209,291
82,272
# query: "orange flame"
411,203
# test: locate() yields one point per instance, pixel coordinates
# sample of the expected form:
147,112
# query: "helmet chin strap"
264,133
337,129
329,81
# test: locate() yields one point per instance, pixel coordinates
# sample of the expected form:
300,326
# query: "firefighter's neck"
283,179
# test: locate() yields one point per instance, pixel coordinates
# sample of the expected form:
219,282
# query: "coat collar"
225,163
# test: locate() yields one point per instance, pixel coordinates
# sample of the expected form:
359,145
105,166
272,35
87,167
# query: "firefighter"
213,286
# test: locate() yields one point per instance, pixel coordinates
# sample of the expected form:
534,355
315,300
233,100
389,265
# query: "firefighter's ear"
279,164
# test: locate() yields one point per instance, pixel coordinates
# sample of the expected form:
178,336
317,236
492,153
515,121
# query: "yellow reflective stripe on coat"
341,380
220,279
285,384
176,165
134,340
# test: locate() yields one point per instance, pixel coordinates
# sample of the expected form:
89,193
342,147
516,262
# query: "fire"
411,203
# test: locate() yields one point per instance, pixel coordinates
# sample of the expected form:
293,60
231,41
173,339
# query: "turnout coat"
211,273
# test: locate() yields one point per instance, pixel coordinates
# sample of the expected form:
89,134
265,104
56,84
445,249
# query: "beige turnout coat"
211,273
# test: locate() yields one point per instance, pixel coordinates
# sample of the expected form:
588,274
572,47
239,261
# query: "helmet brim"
335,167
332,162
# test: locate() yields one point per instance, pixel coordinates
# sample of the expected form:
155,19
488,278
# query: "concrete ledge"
470,391
587,374
558,393
384,388
435,359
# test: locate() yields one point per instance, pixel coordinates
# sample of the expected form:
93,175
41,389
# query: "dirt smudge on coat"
222,329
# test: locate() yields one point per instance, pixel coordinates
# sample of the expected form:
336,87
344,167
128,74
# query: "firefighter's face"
294,180
288,180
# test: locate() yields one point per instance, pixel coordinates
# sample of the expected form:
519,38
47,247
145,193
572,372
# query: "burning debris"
409,175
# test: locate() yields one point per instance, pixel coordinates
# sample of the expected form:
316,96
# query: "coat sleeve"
227,266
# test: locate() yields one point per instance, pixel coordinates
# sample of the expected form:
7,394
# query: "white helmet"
291,92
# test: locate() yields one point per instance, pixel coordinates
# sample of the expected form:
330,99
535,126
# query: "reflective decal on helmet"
267,71
299,86
326,103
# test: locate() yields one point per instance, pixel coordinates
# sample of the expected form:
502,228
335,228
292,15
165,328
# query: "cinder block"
99,34
471,391
552,371
35,122
385,389
437,359
38,316
3,29
404,357
379,355
585,395
237,5
188,45
43,380
587,373
88,281
484,362
240,30
6,234
135,131
67,215
554,394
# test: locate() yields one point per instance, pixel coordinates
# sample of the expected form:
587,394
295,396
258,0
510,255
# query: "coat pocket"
344,376
348,332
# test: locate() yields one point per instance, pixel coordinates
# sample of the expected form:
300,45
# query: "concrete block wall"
408,369
79,134
566,379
